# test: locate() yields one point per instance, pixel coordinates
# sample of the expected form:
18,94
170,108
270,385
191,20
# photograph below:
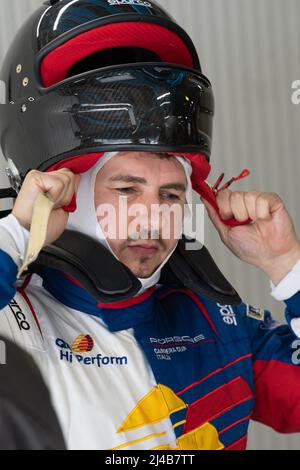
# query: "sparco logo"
139,3
19,315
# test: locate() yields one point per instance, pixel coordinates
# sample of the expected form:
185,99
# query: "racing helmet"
84,77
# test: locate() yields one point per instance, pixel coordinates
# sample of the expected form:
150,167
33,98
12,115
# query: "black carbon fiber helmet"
83,77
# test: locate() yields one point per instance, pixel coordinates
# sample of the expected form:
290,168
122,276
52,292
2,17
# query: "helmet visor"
157,108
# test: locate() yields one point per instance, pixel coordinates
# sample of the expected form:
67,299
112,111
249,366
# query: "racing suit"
168,369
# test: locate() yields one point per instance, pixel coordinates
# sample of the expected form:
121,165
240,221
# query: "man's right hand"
60,186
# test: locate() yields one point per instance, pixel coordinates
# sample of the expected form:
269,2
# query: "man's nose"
149,220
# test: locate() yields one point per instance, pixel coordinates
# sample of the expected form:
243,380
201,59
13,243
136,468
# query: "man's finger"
238,206
77,182
224,204
250,201
267,204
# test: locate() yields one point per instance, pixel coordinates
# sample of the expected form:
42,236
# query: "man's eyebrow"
128,179
176,186
138,180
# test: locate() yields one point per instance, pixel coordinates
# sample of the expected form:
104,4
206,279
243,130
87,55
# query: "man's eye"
171,197
125,190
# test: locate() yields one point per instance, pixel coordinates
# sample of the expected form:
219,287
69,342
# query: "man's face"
132,178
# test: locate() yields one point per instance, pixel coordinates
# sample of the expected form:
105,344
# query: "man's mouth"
144,248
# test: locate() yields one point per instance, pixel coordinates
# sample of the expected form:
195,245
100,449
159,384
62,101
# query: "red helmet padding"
158,39
81,163
201,170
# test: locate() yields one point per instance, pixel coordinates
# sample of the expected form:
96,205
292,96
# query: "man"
101,381
166,367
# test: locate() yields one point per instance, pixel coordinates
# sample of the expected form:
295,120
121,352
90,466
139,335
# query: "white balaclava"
84,219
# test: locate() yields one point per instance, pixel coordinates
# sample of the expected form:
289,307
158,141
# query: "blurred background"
250,50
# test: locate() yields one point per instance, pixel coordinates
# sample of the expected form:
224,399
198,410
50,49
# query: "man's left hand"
270,242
